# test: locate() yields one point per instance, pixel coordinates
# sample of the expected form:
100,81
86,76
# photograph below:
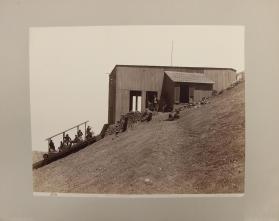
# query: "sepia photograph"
137,109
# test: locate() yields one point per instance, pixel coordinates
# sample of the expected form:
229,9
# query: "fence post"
84,130
48,141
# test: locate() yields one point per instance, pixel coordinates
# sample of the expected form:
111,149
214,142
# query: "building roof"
157,66
188,77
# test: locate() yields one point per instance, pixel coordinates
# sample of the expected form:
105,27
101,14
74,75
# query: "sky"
69,66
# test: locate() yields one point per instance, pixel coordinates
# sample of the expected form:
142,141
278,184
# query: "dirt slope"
37,156
202,152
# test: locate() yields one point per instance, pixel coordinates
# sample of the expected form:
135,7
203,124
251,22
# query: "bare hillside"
202,152
37,156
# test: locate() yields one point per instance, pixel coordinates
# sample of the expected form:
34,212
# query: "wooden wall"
138,79
197,91
168,91
145,78
142,79
112,97
222,78
202,90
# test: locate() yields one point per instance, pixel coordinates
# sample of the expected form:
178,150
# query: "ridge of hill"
202,152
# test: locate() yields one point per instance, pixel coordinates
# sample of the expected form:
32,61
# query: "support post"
63,137
84,130
48,144
143,100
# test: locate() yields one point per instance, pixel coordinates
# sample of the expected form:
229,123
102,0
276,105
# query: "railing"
58,155
63,132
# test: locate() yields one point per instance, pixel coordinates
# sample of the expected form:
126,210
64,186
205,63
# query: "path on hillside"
202,152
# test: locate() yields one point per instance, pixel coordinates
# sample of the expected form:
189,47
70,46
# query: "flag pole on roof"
171,50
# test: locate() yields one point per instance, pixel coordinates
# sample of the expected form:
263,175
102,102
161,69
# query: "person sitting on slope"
51,146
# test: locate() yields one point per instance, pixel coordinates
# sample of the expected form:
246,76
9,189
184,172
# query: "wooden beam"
85,130
63,132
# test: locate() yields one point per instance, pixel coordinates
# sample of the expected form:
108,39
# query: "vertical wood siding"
168,90
144,78
177,94
222,78
143,100
112,97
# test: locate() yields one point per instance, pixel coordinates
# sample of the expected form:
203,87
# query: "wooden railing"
63,132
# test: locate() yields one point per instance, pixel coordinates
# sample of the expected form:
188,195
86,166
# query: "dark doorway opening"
135,101
184,93
151,99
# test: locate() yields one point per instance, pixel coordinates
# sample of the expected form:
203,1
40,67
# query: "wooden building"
132,87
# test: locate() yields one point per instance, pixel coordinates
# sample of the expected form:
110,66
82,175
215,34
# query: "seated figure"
51,146
67,140
76,140
89,133
79,134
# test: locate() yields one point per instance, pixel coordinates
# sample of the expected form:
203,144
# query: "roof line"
158,66
172,75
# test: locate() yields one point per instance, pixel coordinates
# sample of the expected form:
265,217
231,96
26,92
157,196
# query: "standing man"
155,101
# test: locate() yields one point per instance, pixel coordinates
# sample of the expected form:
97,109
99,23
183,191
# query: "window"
135,101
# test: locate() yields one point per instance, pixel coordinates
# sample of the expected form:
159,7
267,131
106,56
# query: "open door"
150,99
184,93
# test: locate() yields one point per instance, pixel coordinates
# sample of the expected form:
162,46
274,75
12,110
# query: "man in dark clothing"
79,134
51,146
61,147
156,103
67,140
76,140
89,134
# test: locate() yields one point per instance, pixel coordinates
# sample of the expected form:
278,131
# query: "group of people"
67,141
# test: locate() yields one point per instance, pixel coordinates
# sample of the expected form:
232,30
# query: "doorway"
135,101
151,99
184,93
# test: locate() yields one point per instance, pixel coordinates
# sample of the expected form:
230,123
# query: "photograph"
137,109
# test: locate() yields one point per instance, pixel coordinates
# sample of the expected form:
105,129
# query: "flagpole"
171,51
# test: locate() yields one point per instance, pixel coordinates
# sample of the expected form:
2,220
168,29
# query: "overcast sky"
69,66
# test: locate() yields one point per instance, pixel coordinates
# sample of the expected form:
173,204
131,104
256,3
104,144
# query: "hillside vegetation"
202,152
